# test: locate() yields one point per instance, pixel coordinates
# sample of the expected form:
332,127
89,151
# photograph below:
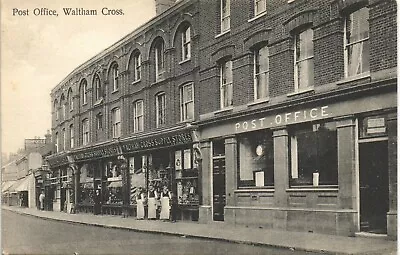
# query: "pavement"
312,242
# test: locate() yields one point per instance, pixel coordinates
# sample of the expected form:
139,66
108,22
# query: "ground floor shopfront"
326,165
108,178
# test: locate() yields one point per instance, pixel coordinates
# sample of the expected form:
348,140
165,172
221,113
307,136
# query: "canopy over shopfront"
6,186
23,185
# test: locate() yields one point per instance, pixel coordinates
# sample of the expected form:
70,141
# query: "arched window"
70,99
83,89
159,59
137,65
114,77
186,43
97,87
63,107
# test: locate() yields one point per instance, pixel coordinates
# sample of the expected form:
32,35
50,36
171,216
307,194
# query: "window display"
256,159
86,186
186,175
113,190
314,160
137,175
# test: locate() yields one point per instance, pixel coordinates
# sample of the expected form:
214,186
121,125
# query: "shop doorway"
374,187
219,197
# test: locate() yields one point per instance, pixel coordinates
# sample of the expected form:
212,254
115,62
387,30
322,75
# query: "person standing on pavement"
97,202
174,204
165,197
140,199
152,203
41,200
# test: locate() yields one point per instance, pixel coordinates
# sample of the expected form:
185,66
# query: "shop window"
160,109
137,66
159,170
187,104
226,89
116,122
97,87
261,73
186,45
225,15
71,136
159,59
186,175
85,131
70,99
260,7
304,60
113,190
86,194
357,42
256,159
137,172
314,155
114,77
138,124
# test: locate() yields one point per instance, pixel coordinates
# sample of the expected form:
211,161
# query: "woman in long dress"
165,197
140,205
151,202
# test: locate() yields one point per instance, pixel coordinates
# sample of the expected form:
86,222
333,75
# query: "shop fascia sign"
58,160
171,140
97,153
283,119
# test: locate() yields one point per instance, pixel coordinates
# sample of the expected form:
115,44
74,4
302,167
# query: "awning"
6,185
115,184
23,186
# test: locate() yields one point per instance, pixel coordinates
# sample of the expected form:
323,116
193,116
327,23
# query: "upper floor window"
160,109
138,124
159,59
187,105
99,121
70,99
114,77
97,87
357,42
116,122
64,139
137,66
71,136
186,47
85,131
225,15
57,143
56,109
84,92
226,89
303,60
63,108
260,6
261,73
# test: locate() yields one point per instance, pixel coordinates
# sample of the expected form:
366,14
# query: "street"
30,235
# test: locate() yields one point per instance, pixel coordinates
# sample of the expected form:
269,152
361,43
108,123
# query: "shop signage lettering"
181,138
108,151
57,161
283,119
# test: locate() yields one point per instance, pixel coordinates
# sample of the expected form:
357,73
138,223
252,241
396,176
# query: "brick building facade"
254,112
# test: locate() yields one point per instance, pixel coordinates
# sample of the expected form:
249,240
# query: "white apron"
164,215
152,208
139,209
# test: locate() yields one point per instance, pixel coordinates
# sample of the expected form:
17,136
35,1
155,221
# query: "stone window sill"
258,101
136,81
222,33
257,16
299,92
354,78
184,61
226,109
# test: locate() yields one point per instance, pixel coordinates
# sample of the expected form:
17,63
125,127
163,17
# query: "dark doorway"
219,197
374,187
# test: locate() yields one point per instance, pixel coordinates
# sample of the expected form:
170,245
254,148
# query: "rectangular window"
304,60
85,132
138,116
225,15
57,142
99,121
137,67
159,60
71,137
187,102
256,159
313,153
357,43
186,44
260,6
160,110
226,84
64,139
261,73
64,111
116,122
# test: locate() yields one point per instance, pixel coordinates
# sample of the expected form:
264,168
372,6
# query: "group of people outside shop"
159,205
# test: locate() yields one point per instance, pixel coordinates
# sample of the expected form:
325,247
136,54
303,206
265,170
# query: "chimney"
163,5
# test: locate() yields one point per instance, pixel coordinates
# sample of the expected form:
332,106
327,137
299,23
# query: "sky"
38,52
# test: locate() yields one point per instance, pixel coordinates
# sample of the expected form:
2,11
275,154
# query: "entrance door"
219,197
374,187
